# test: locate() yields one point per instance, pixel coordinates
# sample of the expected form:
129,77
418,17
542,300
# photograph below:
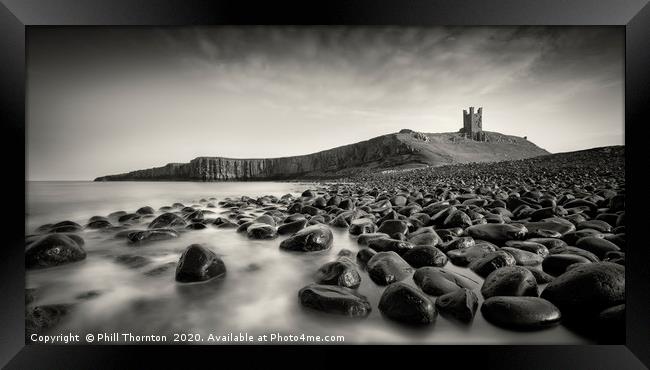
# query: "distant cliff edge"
406,149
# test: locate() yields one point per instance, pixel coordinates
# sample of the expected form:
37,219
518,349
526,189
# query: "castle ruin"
473,124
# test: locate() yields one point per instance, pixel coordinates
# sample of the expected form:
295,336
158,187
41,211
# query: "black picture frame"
17,15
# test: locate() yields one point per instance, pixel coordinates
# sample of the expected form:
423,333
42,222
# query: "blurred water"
249,300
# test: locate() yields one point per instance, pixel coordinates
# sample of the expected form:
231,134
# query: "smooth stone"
403,303
555,225
146,210
197,263
457,219
424,236
292,227
492,261
129,217
439,281
597,246
588,288
387,245
521,313
598,225
386,268
364,239
53,250
266,219
310,239
510,281
533,247
497,233
548,242
341,272
523,257
424,255
457,243
393,226
460,304
575,250
465,256
362,226
167,220
364,255
335,300
261,231
557,264
136,237
540,276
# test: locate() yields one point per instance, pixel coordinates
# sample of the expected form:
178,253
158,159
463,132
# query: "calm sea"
249,300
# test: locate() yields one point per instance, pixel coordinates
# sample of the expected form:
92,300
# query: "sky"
110,100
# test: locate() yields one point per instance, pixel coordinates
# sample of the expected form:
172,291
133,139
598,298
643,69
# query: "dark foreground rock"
460,304
405,304
197,263
143,236
510,281
310,239
521,313
388,267
53,250
439,281
586,290
335,300
342,272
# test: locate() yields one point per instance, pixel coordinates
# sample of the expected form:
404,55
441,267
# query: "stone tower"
473,124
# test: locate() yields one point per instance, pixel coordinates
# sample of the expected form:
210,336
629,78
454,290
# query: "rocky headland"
405,149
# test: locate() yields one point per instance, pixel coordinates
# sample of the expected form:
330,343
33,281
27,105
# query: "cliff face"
383,152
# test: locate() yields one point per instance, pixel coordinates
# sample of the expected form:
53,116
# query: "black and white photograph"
325,185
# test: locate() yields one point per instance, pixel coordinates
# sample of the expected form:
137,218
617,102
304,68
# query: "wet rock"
53,250
597,246
196,226
364,239
424,236
167,220
497,233
524,258
540,276
460,304
310,239
387,245
292,227
341,272
129,218
116,215
362,226
335,300
425,255
510,281
457,243
587,289
387,268
575,250
439,281
393,226
457,219
41,318
266,219
197,263
492,261
146,210
465,256
364,255
261,231
554,225
598,225
138,237
557,264
521,313
403,303
530,246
